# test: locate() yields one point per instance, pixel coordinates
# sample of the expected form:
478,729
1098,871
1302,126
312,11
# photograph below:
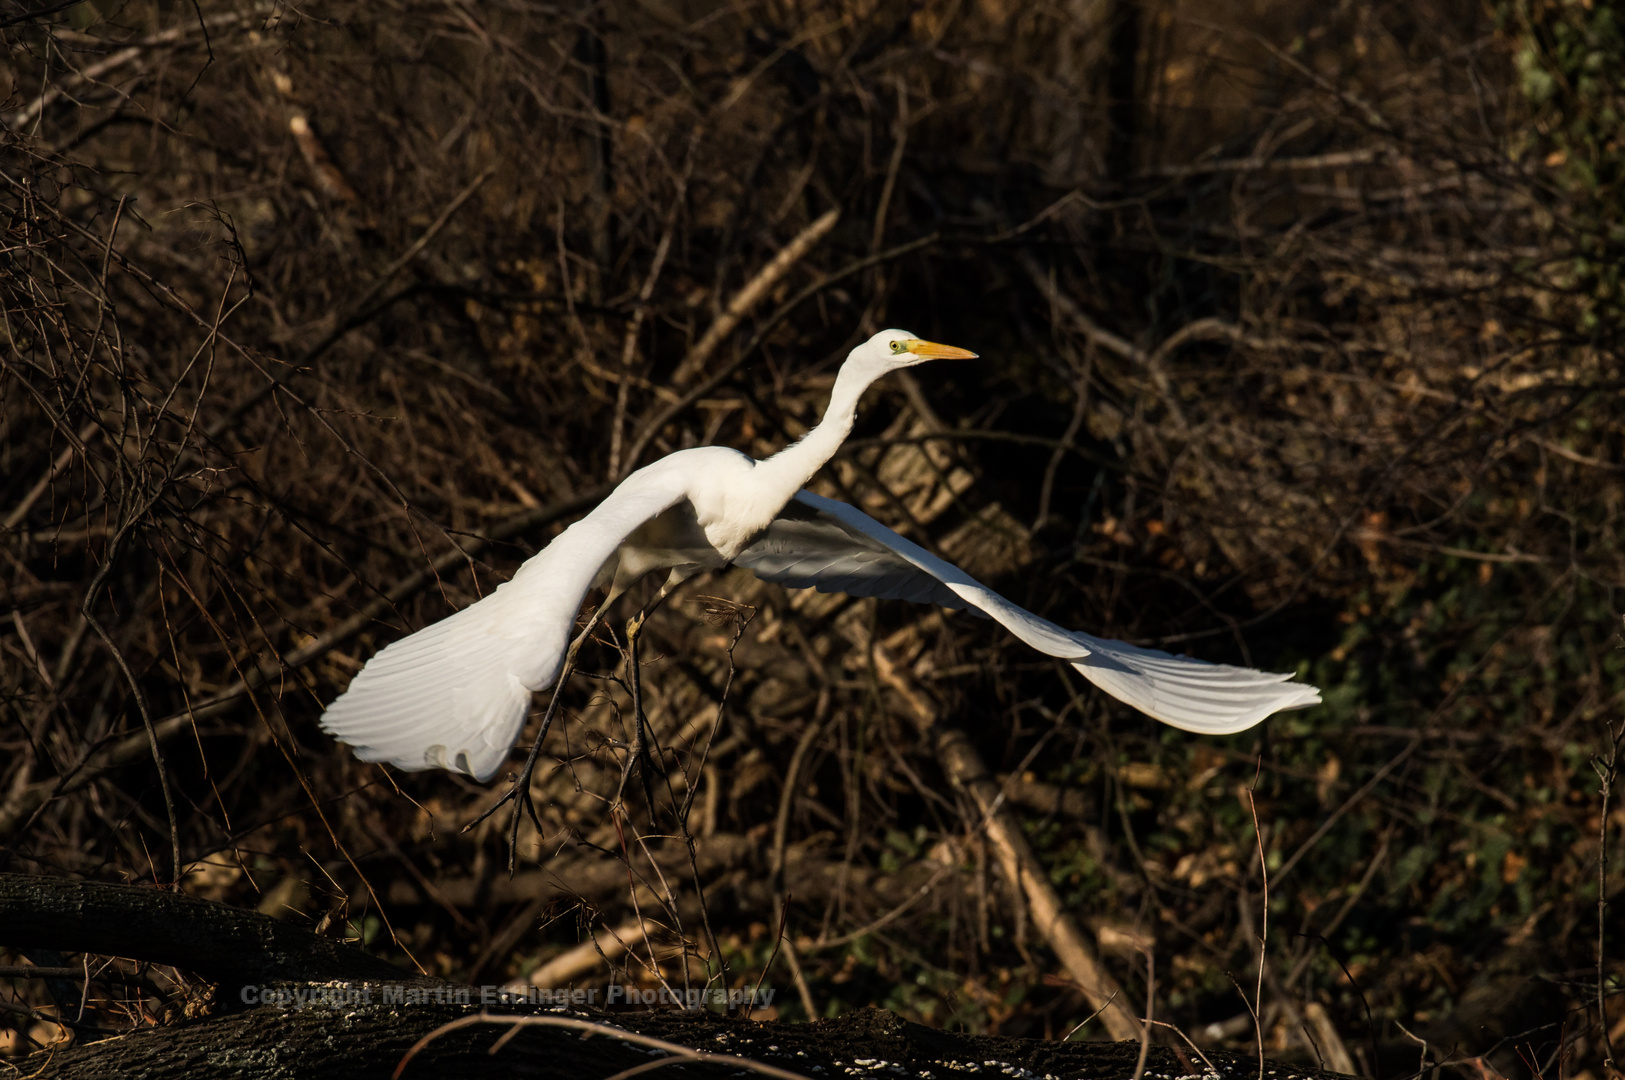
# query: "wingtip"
1192,695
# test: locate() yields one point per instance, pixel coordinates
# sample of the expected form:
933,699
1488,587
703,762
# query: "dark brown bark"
352,1043
373,1029
223,944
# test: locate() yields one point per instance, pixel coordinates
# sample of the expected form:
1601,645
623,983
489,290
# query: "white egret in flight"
454,695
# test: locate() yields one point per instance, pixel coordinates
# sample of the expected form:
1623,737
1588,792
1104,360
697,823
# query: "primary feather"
454,695
842,549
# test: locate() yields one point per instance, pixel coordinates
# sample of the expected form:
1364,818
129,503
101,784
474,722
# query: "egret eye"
897,346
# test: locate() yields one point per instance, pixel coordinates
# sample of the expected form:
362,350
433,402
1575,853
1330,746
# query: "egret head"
893,349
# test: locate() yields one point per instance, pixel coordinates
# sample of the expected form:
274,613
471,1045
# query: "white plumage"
827,545
454,695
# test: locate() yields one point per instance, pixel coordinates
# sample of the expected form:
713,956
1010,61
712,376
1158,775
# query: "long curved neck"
787,471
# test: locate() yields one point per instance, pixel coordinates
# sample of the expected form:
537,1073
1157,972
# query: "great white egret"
454,695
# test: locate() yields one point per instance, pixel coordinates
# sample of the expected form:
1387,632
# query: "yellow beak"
930,350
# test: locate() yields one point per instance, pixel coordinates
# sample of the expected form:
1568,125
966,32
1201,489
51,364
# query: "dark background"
1299,328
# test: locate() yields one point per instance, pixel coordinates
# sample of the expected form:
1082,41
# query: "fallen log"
294,1004
226,945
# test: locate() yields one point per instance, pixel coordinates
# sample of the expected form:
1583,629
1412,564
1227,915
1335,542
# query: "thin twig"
1150,1007
1264,920
589,1028
778,941
1075,1028
719,376
749,295
136,692
1607,769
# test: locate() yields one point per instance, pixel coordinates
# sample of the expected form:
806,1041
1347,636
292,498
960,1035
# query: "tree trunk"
361,1016
223,944
351,1043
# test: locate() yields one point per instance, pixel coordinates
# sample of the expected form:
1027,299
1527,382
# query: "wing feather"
833,547
454,695
804,549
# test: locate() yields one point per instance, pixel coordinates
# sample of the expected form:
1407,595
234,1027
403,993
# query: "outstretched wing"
806,548
828,545
454,695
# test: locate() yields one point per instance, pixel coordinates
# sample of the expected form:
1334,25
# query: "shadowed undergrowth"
1300,350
